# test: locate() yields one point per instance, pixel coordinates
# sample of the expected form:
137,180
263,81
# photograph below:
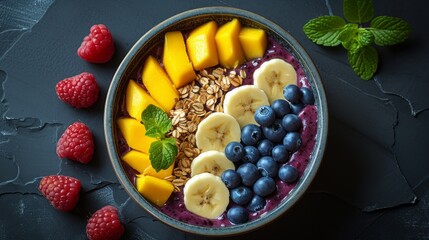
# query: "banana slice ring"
206,195
216,131
272,76
242,103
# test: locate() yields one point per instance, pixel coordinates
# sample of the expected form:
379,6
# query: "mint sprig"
156,122
163,151
354,37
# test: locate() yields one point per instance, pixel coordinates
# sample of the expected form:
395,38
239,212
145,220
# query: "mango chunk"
155,190
137,100
161,174
253,41
137,160
201,46
176,61
134,133
159,84
141,163
228,44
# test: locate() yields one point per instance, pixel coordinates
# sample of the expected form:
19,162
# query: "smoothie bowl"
216,121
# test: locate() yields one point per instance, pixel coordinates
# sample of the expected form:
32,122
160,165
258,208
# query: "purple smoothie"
175,206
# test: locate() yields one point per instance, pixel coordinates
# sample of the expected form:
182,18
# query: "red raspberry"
80,91
98,46
76,143
104,224
61,191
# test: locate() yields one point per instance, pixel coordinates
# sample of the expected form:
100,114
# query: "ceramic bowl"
133,61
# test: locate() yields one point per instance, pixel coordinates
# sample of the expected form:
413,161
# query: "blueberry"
234,151
296,108
292,93
281,107
307,96
237,215
291,123
241,195
249,173
251,154
292,141
264,186
275,132
280,153
231,178
251,134
267,166
257,203
288,173
265,115
264,147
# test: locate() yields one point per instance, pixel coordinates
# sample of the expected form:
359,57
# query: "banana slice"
216,131
206,195
272,76
242,103
212,161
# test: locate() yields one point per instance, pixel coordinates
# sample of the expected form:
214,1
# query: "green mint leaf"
389,30
156,121
324,30
353,38
154,132
170,140
162,154
364,61
350,30
358,11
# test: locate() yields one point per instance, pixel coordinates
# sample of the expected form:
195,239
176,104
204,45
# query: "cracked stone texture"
373,179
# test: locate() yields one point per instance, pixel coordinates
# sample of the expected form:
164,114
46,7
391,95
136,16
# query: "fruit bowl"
160,191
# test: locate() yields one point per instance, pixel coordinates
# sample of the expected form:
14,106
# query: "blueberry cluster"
264,151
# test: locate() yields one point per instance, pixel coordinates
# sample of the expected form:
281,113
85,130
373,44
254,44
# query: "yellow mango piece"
137,100
155,190
201,46
137,160
228,44
141,162
253,42
159,84
134,133
176,61
161,174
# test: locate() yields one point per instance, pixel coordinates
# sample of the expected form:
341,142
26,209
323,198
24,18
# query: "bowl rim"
311,169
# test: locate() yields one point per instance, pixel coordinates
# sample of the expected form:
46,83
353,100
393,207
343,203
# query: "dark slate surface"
373,181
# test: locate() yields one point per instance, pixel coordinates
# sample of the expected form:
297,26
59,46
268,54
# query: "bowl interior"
186,21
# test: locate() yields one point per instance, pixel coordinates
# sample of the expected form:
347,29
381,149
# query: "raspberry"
98,46
76,143
61,191
105,224
80,91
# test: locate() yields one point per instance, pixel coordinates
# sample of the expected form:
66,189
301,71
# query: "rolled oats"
236,81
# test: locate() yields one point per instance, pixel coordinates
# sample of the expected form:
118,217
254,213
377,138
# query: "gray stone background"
373,182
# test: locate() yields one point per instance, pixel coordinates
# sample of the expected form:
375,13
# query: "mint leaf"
170,140
324,30
352,37
162,154
358,11
350,30
357,39
156,121
364,61
389,30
